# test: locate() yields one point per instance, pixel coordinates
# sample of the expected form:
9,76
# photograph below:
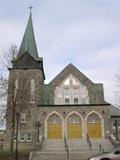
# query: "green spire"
28,42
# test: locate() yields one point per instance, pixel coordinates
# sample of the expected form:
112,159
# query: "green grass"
22,155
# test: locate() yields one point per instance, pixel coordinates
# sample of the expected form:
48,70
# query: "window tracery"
74,118
93,118
53,119
71,91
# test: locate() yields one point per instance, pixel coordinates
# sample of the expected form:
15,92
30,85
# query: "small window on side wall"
29,137
22,137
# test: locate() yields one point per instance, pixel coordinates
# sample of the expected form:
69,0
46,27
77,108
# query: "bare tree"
3,100
117,92
8,57
5,63
14,94
18,98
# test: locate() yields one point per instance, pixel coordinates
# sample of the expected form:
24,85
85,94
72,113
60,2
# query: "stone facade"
32,101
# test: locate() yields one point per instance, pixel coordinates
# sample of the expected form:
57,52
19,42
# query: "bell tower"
25,87
26,77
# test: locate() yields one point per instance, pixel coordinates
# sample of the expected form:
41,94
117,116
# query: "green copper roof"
28,42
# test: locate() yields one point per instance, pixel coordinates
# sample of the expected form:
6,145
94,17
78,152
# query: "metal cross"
30,8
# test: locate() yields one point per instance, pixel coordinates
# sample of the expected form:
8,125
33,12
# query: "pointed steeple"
28,42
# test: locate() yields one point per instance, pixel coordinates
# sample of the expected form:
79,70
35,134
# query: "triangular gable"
71,69
95,91
24,61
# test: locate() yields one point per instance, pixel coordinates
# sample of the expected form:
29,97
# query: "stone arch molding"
62,123
82,122
102,122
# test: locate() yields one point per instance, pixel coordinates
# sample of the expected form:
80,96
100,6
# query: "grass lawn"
23,155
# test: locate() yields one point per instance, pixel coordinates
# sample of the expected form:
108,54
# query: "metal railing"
39,144
89,142
101,148
66,147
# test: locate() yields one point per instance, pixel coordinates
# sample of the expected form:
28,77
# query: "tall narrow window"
15,89
66,92
23,117
32,90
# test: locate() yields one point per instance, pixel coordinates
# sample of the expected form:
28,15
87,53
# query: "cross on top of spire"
30,8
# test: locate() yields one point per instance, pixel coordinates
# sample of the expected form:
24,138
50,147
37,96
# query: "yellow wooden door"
74,130
54,131
94,130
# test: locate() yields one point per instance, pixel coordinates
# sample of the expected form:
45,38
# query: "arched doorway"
74,127
54,127
94,126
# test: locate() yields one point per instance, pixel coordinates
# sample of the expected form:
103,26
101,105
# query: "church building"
71,106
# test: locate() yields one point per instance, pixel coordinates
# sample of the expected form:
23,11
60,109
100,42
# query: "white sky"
85,33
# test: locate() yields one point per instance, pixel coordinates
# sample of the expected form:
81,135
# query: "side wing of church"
71,106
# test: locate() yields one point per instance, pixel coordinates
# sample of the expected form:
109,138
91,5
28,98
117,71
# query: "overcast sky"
85,33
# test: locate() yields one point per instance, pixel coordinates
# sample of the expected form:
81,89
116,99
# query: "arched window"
54,119
74,118
94,118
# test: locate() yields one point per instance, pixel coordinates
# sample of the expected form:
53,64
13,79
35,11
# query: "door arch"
94,125
54,127
74,126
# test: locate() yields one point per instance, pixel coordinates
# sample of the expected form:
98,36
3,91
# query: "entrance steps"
105,144
78,144
78,149
62,155
53,145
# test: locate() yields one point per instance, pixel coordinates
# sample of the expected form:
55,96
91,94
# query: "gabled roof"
95,91
28,42
70,69
115,111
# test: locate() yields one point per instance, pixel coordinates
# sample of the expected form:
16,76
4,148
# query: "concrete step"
105,143
73,155
53,145
77,144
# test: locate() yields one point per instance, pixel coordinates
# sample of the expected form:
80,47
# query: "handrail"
112,139
66,147
89,142
101,148
41,143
